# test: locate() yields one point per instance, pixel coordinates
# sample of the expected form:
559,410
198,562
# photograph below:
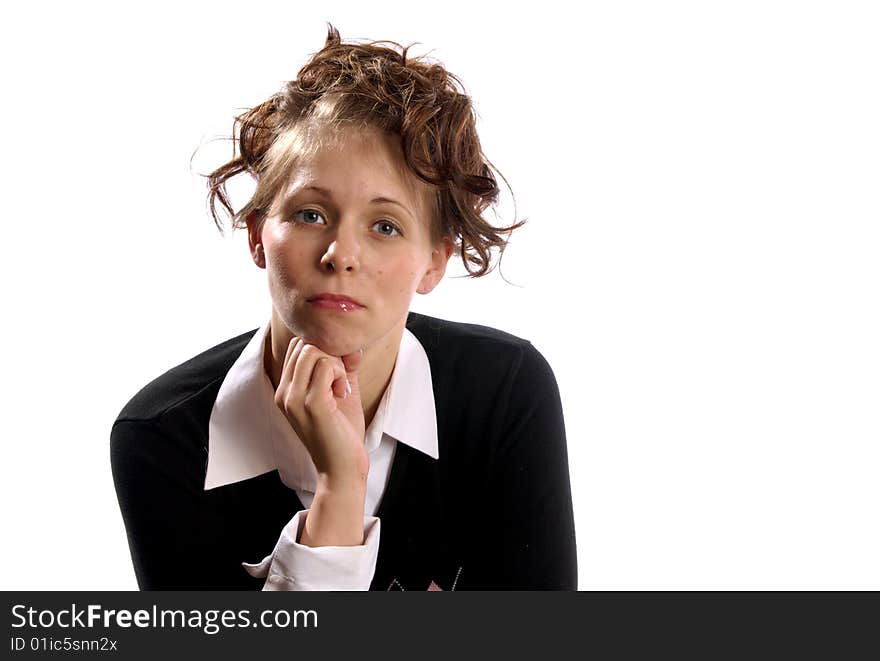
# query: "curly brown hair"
373,85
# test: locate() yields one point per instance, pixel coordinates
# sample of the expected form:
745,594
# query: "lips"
336,302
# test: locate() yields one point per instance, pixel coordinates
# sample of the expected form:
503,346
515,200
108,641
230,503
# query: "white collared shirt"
248,435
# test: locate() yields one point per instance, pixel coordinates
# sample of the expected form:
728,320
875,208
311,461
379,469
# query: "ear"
439,259
254,222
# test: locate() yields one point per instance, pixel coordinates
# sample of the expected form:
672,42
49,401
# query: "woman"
350,444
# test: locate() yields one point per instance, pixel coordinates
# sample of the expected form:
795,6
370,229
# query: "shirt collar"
248,434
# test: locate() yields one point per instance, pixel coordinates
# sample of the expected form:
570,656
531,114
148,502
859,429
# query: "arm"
331,546
176,538
319,395
294,567
179,539
532,530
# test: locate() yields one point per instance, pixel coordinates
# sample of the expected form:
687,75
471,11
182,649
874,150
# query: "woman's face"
347,243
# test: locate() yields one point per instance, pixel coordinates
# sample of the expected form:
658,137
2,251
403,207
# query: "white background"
700,265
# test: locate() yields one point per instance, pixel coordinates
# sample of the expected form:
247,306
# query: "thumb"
352,363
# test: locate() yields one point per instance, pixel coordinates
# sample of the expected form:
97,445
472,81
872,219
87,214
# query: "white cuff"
295,567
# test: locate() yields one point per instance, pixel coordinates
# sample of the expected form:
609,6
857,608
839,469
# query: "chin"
334,346
333,341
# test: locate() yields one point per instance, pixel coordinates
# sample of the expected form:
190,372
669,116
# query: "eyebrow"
376,200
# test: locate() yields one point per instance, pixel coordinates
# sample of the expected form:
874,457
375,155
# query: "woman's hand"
320,396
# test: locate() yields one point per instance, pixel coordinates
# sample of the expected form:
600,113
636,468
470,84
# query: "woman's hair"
373,85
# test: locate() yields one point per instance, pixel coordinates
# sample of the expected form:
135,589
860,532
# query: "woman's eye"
310,217
387,229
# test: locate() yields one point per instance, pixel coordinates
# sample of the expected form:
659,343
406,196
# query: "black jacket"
494,509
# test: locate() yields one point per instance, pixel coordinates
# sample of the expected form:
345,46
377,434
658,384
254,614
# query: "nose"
342,253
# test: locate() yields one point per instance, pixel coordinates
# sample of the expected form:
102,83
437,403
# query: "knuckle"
288,410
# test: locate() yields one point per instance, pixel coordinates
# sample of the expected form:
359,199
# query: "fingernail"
347,387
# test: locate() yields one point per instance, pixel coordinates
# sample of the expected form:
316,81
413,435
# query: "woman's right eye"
310,217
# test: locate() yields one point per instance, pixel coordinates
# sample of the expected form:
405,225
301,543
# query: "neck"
374,374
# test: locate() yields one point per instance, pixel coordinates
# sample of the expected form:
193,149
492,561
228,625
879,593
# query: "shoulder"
184,382
452,340
461,351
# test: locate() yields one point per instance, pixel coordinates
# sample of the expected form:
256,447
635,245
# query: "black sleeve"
532,522
176,536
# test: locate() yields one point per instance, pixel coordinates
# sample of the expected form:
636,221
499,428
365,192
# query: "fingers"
310,376
340,385
328,379
290,358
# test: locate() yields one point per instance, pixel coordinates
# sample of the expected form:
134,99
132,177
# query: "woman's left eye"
386,229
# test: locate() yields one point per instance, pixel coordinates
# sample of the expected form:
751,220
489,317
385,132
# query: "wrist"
349,485
335,518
